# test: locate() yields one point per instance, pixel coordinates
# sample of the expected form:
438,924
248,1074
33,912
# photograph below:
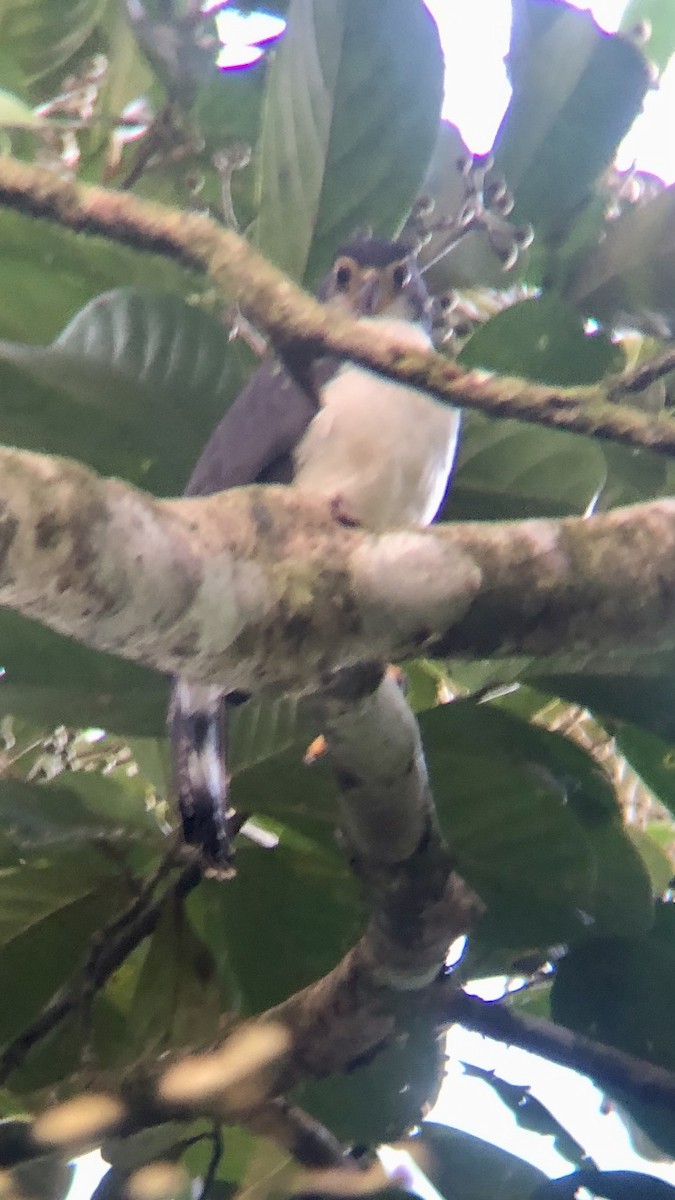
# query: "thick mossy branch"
262,586
301,328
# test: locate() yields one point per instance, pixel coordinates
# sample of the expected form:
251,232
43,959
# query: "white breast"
383,449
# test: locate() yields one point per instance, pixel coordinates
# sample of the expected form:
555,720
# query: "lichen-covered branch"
301,328
262,586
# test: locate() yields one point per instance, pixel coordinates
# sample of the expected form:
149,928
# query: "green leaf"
459,1164
81,808
576,92
350,120
632,476
658,15
645,695
44,36
377,1102
263,728
53,680
177,1002
542,339
15,114
652,758
534,1000
303,890
630,273
142,379
652,845
535,827
49,274
619,991
49,909
508,470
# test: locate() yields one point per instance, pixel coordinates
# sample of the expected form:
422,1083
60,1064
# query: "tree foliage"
123,360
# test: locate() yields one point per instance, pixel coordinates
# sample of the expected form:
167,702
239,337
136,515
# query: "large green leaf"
508,470
49,274
535,827
533,823
644,695
49,909
351,116
56,681
80,809
460,1164
302,889
619,991
140,380
543,339
630,273
576,92
632,476
652,758
177,1002
45,35
379,1101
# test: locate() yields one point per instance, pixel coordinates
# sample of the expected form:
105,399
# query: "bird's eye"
343,277
400,276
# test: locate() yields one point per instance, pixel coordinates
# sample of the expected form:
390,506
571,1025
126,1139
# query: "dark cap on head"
374,251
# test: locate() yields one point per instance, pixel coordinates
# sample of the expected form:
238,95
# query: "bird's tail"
198,737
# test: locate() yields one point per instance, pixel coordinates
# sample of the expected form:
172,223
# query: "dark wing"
253,443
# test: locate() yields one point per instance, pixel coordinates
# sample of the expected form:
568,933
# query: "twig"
641,377
214,1162
612,1069
151,143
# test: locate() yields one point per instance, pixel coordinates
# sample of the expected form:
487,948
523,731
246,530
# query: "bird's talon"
341,514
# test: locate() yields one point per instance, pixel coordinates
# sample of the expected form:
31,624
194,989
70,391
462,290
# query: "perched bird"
380,451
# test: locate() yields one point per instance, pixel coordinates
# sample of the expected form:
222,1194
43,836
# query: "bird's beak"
371,295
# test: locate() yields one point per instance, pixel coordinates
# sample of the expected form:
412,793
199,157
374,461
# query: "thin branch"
109,950
214,1162
300,327
614,1070
647,373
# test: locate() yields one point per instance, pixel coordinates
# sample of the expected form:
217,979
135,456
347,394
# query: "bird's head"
372,277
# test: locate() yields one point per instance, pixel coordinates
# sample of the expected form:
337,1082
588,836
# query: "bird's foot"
340,513
315,750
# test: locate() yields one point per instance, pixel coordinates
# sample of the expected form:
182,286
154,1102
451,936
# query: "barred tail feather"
197,719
